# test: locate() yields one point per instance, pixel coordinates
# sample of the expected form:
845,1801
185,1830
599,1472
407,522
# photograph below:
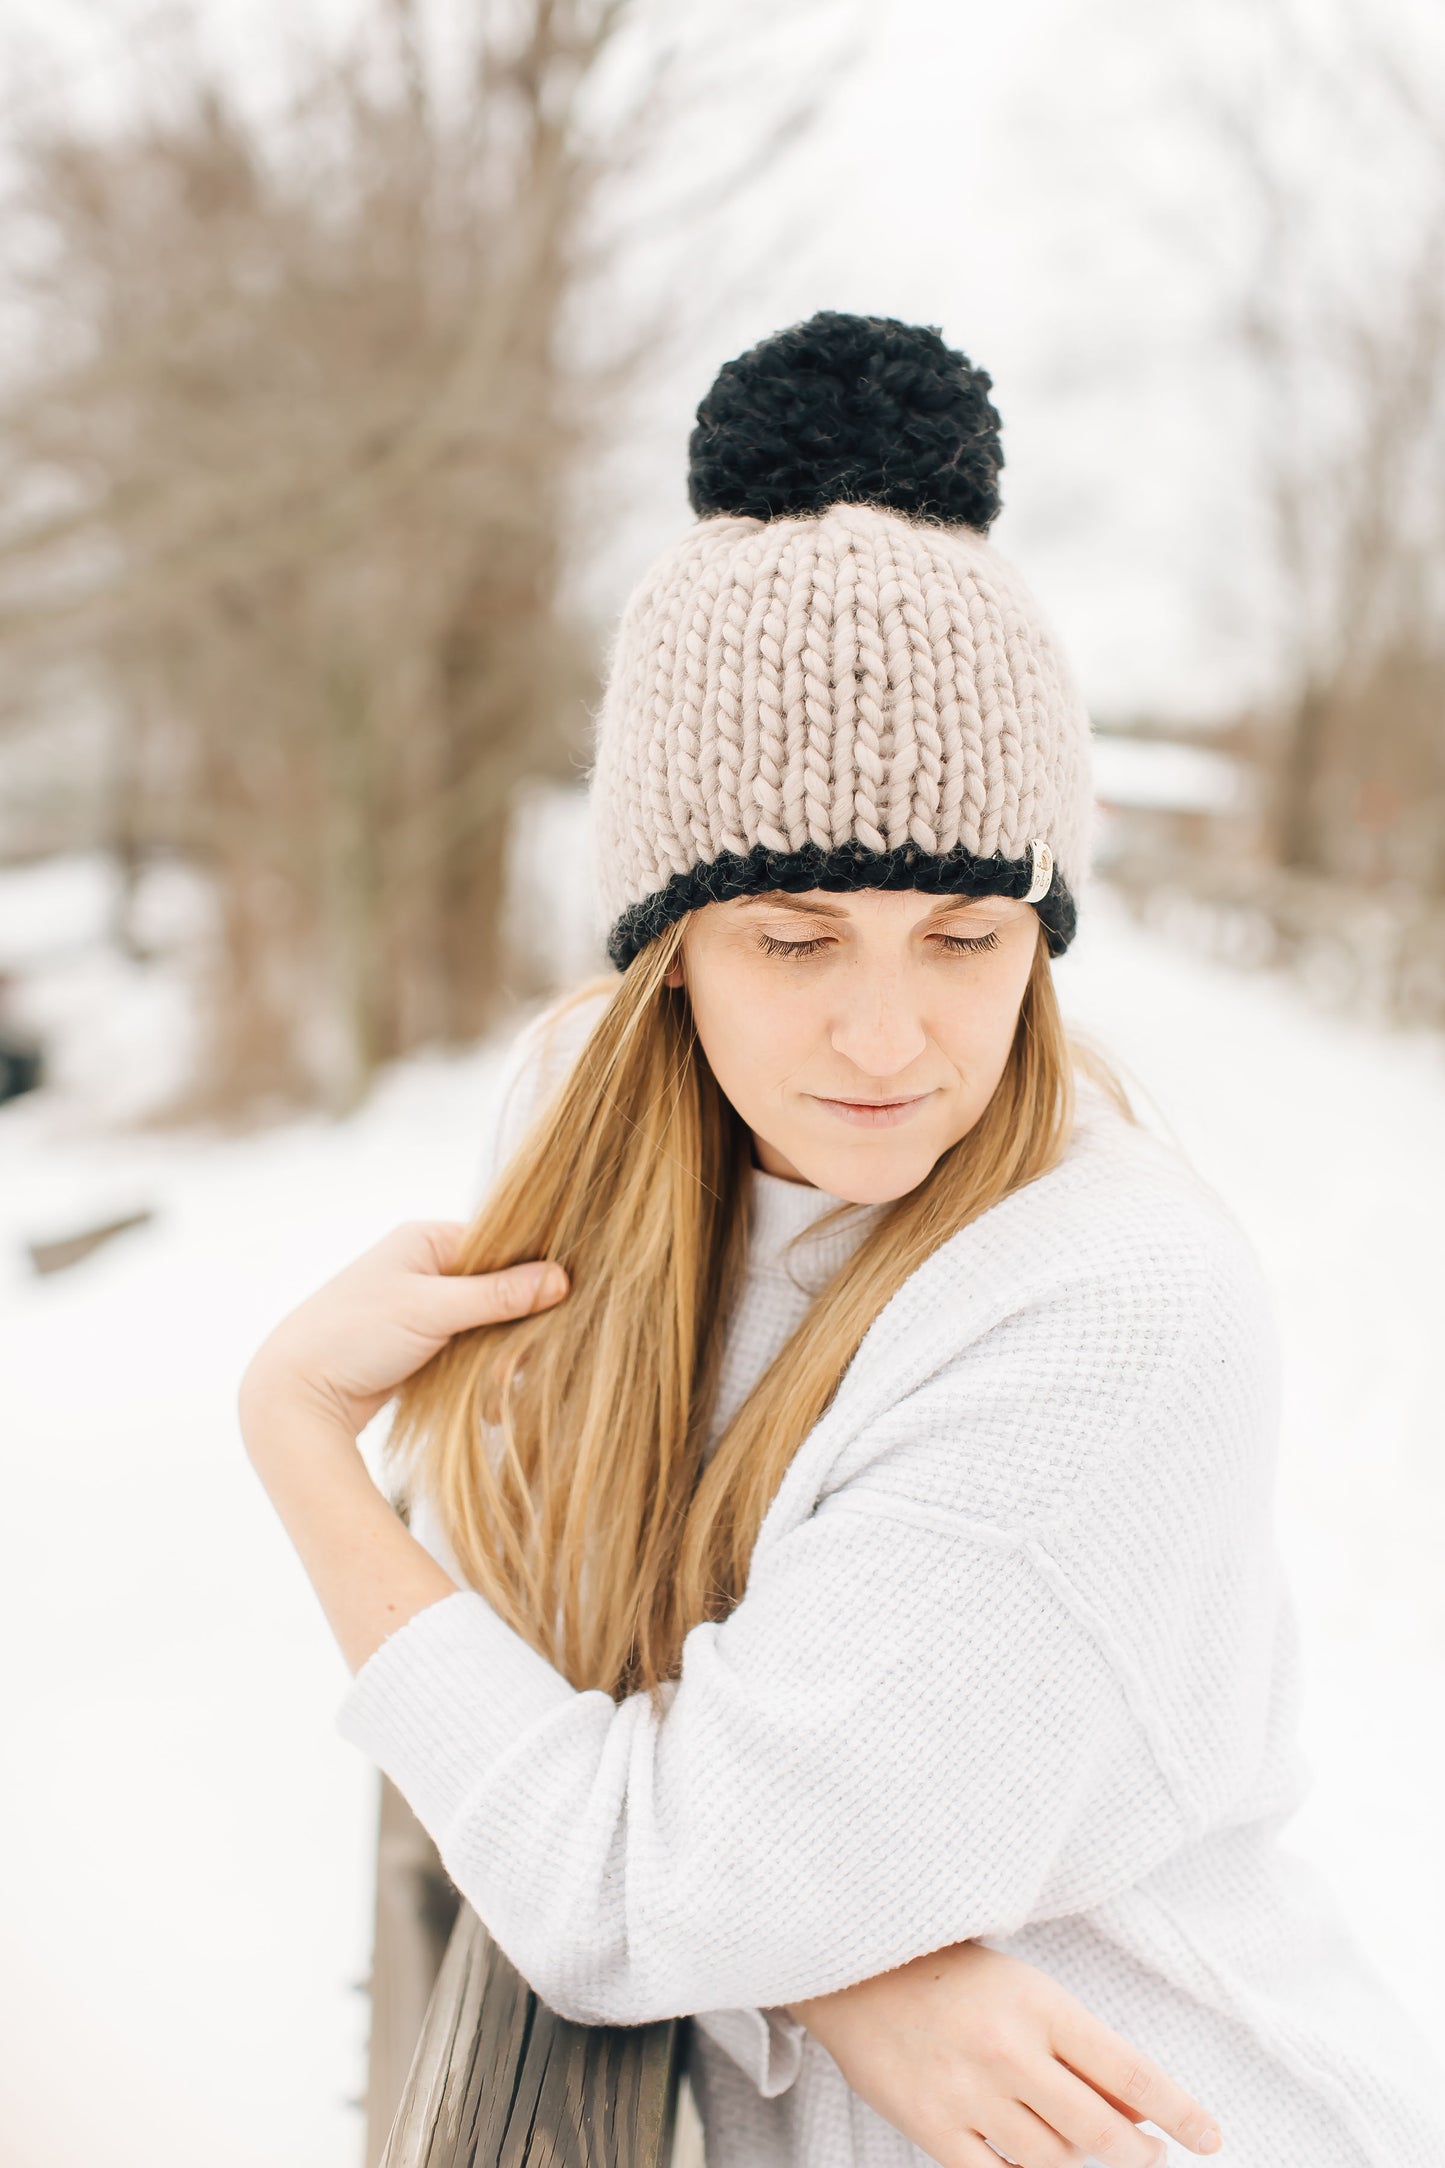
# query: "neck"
772,1162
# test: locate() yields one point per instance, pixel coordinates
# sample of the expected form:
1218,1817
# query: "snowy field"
188,1906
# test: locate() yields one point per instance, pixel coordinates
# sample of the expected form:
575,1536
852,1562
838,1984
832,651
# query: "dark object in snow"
849,410
22,1066
70,1249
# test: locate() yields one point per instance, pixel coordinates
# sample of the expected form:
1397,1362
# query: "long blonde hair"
564,1452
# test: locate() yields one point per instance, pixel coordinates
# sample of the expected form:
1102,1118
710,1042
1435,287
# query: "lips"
872,1113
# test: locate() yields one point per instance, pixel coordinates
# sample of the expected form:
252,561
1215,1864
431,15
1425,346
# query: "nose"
878,1027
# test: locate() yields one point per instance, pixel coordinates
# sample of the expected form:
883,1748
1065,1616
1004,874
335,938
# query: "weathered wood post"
489,2077
416,1909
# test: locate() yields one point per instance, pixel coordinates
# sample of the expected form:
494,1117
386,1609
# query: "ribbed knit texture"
1015,1662
852,680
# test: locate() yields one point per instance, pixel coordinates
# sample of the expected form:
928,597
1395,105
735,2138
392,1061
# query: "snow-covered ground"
187,1901
1326,1139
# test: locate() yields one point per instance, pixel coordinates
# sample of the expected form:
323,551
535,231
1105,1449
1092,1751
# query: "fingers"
427,1251
1080,2114
457,1302
1024,2137
423,1245
965,2149
1110,2064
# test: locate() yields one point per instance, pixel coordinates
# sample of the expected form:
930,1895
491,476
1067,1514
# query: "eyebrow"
779,901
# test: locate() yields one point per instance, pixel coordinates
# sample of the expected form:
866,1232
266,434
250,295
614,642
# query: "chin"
864,1177
882,1191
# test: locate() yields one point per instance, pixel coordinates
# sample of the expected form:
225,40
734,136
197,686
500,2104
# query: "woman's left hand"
344,1351
971,2044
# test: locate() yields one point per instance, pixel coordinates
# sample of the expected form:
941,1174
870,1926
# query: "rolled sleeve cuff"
444,1698
766,2045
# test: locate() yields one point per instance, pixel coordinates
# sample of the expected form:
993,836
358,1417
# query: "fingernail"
548,1281
1210,2142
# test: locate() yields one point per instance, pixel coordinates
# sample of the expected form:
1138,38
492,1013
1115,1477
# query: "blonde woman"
840,1600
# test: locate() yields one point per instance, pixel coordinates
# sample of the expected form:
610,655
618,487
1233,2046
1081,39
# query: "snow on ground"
1325,1138
189,1842
195,1892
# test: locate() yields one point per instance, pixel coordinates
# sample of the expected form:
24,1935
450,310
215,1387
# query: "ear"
673,975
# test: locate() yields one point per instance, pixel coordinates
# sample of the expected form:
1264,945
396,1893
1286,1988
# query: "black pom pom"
849,410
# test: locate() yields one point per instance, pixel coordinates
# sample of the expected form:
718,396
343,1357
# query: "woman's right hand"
968,2043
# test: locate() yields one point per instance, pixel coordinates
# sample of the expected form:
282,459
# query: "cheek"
977,1030
754,1026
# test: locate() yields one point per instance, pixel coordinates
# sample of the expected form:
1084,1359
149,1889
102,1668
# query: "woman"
848,1609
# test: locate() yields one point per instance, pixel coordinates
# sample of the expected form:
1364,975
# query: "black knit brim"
949,873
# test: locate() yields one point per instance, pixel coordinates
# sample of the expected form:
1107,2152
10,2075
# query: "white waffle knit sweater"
1015,1662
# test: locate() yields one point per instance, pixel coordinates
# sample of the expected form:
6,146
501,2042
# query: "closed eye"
956,943
789,948
970,941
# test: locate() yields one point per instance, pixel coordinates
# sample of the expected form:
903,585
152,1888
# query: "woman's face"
858,1035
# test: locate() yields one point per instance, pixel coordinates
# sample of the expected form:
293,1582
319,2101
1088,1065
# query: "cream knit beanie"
834,680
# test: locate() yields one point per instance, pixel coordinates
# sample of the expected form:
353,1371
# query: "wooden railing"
496,2079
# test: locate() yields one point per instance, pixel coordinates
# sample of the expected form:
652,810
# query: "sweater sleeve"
766,2045
900,1738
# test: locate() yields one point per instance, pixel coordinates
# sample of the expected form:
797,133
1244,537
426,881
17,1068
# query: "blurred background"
348,354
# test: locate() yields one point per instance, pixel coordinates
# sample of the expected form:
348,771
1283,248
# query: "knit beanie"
834,680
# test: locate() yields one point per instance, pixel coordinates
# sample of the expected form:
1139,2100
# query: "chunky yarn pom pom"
849,410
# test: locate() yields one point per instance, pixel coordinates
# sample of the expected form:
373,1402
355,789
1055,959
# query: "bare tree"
1331,126
292,472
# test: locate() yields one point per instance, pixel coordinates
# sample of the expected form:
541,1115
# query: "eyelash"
956,943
